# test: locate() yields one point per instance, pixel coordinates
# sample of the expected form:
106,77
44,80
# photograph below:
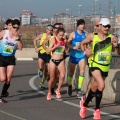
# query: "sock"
91,94
70,80
5,88
52,90
98,98
43,79
40,73
80,81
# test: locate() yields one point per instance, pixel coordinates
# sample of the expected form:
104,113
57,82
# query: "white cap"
105,21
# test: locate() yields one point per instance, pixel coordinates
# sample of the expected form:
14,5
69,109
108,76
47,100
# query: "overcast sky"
47,8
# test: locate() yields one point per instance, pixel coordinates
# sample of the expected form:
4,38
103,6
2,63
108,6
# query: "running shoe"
41,86
58,95
97,114
40,73
82,100
49,96
83,109
79,94
2,100
69,91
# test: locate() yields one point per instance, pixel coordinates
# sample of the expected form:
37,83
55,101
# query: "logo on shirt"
6,38
83,36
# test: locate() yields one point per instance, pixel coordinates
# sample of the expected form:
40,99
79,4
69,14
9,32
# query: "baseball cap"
80,22
105,21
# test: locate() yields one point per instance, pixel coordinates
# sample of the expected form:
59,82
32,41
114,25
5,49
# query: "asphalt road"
27,102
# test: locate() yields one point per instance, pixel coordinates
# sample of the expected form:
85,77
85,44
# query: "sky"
47,8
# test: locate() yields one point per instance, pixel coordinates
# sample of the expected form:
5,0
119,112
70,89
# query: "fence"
27,43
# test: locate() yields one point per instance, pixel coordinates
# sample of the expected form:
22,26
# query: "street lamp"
100,14
66,20
80,11
115,16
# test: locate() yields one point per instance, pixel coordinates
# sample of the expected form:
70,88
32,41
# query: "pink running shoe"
49,96
82,101
83,109
58,95
97,114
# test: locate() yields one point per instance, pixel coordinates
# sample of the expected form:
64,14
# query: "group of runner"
97,47
54,47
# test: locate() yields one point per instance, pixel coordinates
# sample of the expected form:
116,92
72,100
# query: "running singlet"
76,42
102,53
61,48
8,45
42,50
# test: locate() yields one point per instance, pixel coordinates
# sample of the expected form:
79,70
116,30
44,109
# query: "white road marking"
24,59
31,83
11,115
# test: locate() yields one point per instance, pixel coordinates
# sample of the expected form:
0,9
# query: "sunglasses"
97,25
56,27
106,26
15,27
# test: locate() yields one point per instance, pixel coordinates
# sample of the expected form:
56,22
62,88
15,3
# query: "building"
28,18
25,17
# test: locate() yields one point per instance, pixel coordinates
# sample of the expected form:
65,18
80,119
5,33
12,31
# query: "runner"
56,26
76,56
99,65
10,42
89,46
42,56
57,46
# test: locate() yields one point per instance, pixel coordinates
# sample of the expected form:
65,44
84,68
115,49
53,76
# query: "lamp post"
66,20
115,16
80,11
100,14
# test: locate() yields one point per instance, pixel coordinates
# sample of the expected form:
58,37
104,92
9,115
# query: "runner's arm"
114,41
36,39
35,42
19,43
44,43
86,41
69,40
51,47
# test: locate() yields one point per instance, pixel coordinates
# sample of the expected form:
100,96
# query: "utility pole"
115,16
100,11
109,8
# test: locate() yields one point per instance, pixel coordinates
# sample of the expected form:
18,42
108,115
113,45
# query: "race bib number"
103,57
60,50
9,48
77,43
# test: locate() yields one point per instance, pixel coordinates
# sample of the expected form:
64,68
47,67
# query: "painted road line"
24,59
11,115
31,83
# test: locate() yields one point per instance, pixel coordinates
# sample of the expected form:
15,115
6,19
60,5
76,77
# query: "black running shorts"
105,74
7,60
45,57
